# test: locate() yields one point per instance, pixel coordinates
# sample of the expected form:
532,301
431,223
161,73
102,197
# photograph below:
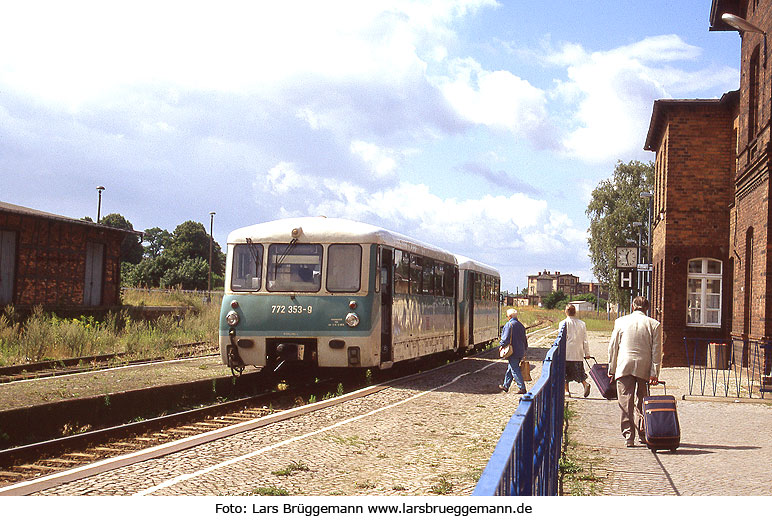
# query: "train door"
470,296
387,300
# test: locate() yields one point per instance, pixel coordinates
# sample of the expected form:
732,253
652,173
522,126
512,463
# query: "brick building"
61,263
692,264
544,283
711,214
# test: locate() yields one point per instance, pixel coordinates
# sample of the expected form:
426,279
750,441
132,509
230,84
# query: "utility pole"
209,285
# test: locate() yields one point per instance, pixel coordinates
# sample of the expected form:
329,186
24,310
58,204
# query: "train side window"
428,277
439,279
344,268
401,272
247,267
477,286
450,288
416,272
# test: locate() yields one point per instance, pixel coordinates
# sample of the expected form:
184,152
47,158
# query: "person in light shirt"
634,360
577,349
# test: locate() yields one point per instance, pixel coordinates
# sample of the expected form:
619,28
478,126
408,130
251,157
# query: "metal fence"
728,367
525,461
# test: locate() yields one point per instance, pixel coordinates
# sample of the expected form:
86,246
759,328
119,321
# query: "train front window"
294,267
344,268
247,267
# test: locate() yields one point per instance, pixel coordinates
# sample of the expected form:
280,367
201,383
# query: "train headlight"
232,318
352,320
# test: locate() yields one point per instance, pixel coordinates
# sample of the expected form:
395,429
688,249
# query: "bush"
551,301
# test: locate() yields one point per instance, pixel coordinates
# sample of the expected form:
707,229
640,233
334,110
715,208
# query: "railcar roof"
474,265
325,230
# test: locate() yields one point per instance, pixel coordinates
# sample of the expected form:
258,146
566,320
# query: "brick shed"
61,263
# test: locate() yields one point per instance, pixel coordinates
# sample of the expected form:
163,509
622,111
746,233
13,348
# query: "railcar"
478,303
334,293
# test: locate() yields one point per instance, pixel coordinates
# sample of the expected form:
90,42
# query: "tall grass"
45,336
529,315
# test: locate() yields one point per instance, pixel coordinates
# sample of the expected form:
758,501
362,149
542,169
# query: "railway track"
69,366
26,463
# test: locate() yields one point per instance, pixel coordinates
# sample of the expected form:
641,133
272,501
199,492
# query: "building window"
753,96
703,295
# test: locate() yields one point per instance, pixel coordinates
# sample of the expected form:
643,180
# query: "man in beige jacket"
634,358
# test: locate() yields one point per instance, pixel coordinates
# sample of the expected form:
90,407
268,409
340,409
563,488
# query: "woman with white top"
577,348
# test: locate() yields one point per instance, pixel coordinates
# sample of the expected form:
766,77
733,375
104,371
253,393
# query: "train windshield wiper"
287,251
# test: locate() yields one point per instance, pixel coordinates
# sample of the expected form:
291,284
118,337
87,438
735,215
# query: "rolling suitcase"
660,421
604,383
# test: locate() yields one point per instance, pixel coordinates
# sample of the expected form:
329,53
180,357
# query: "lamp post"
99,206
649,258
209,284
742,25
638,285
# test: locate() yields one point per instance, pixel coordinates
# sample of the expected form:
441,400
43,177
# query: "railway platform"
726,443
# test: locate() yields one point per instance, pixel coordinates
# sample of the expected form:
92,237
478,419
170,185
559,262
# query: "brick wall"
693,191
51,260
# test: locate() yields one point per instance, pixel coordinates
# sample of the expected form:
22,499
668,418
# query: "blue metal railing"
727,367
525,461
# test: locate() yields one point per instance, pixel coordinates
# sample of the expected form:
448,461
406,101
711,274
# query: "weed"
353,440
443,487
291,469
573,475
270,492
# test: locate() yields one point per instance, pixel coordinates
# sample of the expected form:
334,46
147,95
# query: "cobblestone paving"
726,446
436,442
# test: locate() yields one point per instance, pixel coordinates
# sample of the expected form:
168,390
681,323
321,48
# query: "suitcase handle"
662,382
588,364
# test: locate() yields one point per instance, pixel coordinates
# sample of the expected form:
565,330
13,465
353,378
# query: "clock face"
627,256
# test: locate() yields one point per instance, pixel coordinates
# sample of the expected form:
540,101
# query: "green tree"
615,204
190,241
552,300
156,239
192,273
180,259
131,248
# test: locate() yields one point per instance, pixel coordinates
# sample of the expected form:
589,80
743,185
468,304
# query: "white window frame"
702,306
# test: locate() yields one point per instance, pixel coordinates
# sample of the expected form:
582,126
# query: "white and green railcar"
334,293
479,288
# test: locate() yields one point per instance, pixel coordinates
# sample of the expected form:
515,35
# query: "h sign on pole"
626,279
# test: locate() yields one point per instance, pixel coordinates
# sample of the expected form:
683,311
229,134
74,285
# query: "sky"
478,126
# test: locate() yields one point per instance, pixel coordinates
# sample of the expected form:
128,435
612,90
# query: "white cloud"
76,51
381,160
613,92
505,231
493,98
